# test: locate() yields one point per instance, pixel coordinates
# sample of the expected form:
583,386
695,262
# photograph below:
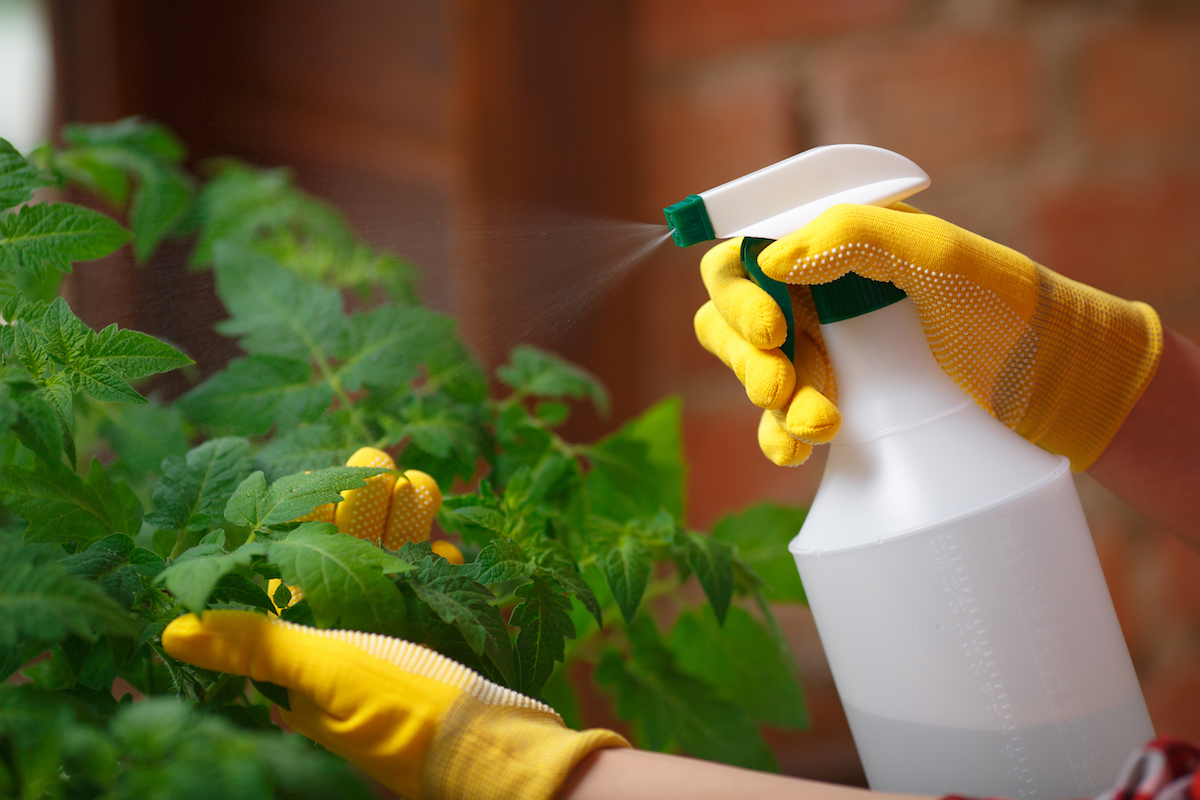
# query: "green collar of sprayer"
852,296
689,221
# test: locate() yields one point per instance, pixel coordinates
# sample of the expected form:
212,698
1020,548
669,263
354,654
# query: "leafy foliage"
120,513
136,162
52,235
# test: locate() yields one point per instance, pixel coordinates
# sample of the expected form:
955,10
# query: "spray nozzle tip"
689,222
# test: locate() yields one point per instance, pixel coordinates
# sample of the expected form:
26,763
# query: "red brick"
1141,86
1136,239
943,99
701,134
673,29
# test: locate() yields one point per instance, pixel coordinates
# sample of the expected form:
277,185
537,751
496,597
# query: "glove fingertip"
415,501
769,379
179,633
363,512
777,445
220,640
812,418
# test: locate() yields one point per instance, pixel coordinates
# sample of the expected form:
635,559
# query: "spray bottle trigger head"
689,222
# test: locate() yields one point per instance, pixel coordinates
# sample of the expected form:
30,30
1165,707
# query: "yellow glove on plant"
423,725
390,510
1059,362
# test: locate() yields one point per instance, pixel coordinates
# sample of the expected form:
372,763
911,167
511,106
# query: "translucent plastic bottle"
954,583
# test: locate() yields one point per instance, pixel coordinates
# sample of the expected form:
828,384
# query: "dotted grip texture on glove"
1060,363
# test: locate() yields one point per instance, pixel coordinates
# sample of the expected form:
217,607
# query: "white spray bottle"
947,561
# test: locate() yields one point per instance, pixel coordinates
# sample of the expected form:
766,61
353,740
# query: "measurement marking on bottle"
968,625
1050,649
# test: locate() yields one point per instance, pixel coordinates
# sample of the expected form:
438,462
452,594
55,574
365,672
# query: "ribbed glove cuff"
496,752
1095,355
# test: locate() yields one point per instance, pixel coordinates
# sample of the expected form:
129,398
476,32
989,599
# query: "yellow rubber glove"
744,327
423,725
390,510
1059,362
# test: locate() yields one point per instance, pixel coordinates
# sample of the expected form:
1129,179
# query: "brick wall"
1067,129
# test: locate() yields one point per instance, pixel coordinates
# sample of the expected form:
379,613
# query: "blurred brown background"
1068,129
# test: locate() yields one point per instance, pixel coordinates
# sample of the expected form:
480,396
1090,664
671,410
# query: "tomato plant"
121,511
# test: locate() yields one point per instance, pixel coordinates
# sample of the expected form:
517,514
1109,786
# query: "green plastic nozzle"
689,222
852,296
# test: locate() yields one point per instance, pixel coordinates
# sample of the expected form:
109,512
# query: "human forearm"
1153,462
641,775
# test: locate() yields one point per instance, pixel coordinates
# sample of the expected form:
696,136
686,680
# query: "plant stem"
178,548
335,383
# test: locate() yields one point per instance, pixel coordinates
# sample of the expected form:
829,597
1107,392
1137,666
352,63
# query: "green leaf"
484,517
384,346
133,354
63,334
446,438
273,311
668,705
193,491
761,535
120,504
255,394
345,580
102,382
18,178
245,506
640,469
440,429
98,364
31,351
237,588
59,394
162,197
552,414
248,206
52,235
522,443
626,569
193,577
502,560
712,562
451,367
308,447
567,573
282,596
170,750
101,157
117,566
143,435
292,496
62,507
459,600
40,601
36,424
739,659
131,134
543,374
82,167
544,617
